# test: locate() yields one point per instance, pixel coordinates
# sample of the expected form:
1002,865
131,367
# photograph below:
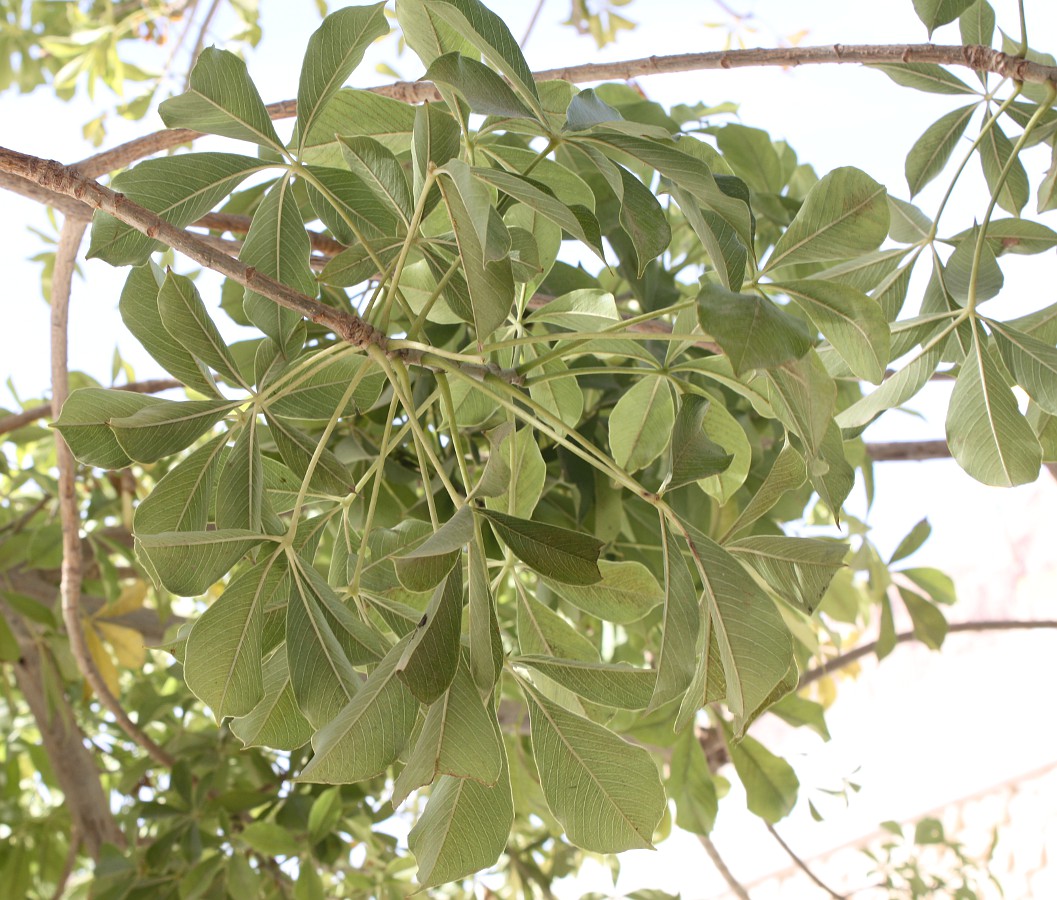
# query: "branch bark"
70,587
64,743
846,659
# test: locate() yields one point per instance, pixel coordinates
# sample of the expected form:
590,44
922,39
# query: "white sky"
831,116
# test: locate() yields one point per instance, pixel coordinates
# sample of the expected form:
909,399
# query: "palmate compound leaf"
626,591
222,100
753,332
570,557
459,737
604,791
987,434
845,214
222,656
334,51
368,734
464,828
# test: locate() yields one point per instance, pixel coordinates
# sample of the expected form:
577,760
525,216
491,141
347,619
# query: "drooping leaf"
771,785
188,562
527,475
276,721
642,219
604,791
799,569
995,152
930,625
428,663
1032,362
464,828
367,735
223,100
787,473
927,77
611,684
676,661
844,214
166,427
570,557
188,323
333,52
458,737
803,396
933,149
693,455
84,424
486,641
987,434
587,109
423,568
691,786
180,500
240,487
222,657
753,332
484,90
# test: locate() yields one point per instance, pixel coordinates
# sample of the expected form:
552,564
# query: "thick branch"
846,659
70,587
900,451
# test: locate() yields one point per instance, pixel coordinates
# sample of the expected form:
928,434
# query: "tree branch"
902,451
800,864
70,587
846,659
735,886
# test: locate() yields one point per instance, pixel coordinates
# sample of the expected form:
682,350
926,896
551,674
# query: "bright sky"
831,116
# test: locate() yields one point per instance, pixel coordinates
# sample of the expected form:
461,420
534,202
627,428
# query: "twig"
27,416
901,451
70,586
981,59
735,886
846,659
532,23
800,864
201,39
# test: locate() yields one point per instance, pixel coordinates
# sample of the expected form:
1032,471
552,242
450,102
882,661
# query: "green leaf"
459,737
541,631
799,569
428,663
240,488
270,839
570,557
844,214
803,396
464,828
222,657
611,684
930,625
276,721
977,26
643,219
84,424
490,35
577,220
189,562
852,322
277,245
691,785
640,425
1032,362
729,435
527,472
894,391
181,189
912,542
166,427
719,239
626,592
180,500
933,149
562,397
185,318
771,785
141,313
423,568
334,51
752,156
353,210
353,112
490,283
222,100
604,791
317,394
939,12
321,673
753,641
753,332
1013,236
693,455
485,91
369,733
381,172
297,450
797,711
958,275
787,473
924,77
995,151
986,432
486,641
587,109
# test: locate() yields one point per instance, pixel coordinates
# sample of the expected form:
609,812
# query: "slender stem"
735,886
1051,93
1023,51
453,430
800,864
412,231
532,23
420,320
